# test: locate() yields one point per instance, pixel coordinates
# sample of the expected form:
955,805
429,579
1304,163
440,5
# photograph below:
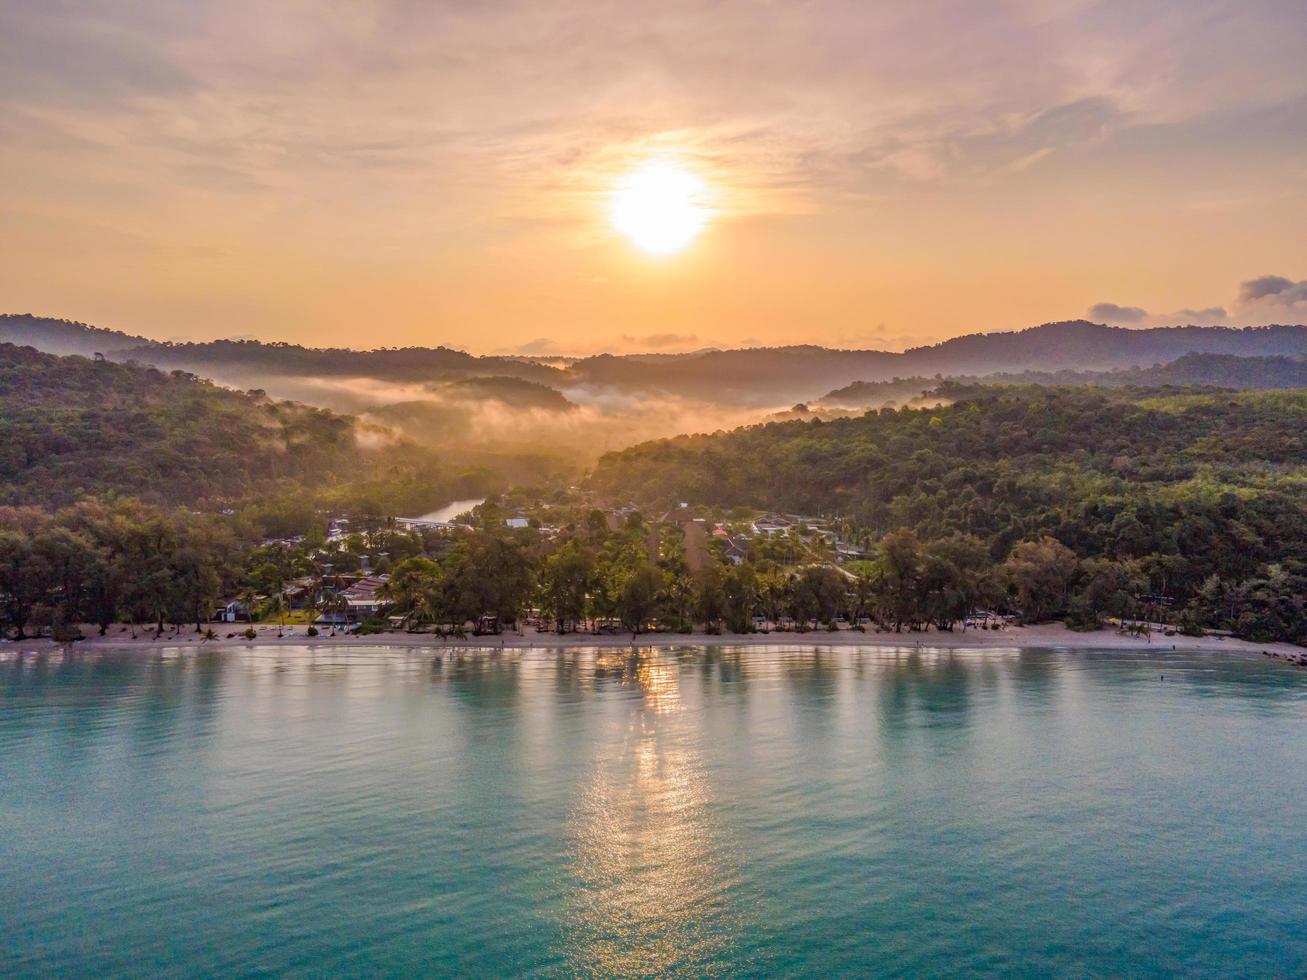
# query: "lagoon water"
697,812
454,509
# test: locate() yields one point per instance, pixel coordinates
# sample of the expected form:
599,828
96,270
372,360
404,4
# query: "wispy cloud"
386,148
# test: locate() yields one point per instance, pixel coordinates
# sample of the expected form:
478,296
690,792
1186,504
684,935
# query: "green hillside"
1185,484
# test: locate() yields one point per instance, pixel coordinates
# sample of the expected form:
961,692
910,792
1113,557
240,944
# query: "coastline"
1045,636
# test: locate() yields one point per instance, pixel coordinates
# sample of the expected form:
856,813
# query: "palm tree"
336,604
279,603
247,600
313,597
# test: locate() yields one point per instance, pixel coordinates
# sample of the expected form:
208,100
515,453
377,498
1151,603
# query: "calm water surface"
700,812
455,509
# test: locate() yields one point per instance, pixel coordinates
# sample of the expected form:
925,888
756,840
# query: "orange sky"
882,174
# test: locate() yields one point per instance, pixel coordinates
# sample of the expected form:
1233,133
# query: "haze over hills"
760,377
451,401
757,375
55,336
1082,345
71,427
1189,370
253,358
1130,489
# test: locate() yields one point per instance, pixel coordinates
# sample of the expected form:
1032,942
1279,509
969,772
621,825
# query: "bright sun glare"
660,207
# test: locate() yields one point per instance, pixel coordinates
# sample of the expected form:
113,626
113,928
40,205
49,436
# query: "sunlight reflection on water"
617,812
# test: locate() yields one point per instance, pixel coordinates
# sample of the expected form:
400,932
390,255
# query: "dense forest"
74,427
1195,493
132,493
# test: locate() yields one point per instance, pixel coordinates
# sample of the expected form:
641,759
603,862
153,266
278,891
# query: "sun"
660,206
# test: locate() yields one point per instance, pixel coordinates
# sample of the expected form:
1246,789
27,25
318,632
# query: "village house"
848,552
362,600
771,525
236,611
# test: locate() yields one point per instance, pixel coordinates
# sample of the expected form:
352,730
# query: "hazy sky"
365,172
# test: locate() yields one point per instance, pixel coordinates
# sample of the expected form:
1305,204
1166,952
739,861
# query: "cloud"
1258,289
479,140
1262,300
1209,315
1112,313
1137,316
1274,299
781,94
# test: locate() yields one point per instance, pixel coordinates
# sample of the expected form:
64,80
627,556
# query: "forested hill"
249,359
71,427
1220,371
760,375
786,374
753,376
1192,482
1083,346
62,336
387,364
1205,370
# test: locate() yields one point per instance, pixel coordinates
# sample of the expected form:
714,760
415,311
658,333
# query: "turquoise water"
699,812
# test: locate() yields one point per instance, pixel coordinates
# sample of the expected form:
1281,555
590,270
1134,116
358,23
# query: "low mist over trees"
73,427
134,495
749,376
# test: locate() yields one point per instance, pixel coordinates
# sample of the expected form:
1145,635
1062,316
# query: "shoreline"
1044,636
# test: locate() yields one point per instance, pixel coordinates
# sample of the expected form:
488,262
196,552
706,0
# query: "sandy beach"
1045,635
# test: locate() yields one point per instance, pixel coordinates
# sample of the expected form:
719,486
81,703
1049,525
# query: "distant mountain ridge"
794,373
245,356
54,336
762,376
1085,346
1190,370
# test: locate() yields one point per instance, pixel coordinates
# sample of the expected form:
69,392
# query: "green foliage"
1082,617
487,573
71,428
639,599
1158,489
1039,573
1075,503
1169,486
565,582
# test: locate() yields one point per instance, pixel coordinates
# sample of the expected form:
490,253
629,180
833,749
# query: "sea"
723,811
